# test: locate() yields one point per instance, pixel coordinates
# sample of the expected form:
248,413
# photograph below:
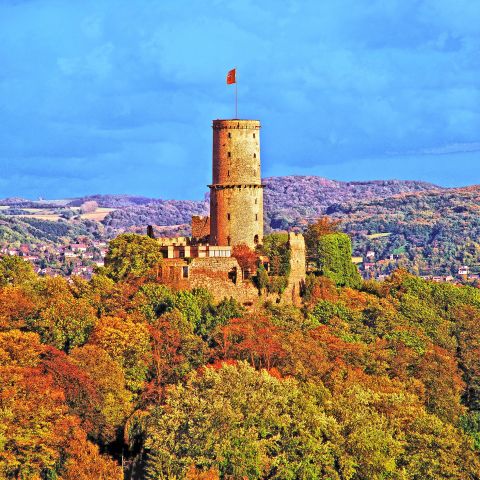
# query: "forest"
121,377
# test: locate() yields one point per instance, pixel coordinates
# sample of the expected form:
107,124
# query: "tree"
16,306
250,338
332,253
132,256
128,344
244,424
246,257
84,461
63,321
34,423
16,271
89,206
112,399
321,226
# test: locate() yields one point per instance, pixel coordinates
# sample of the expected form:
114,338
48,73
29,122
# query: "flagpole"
236,100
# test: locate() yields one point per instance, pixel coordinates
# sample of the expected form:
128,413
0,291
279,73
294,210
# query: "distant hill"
158,212
293,198
435,231
287,201
112,201
32,230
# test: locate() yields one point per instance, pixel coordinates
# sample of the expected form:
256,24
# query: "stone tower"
236,193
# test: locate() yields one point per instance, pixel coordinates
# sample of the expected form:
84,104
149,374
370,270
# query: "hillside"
294,198
31,230
287,200
429,229
435,232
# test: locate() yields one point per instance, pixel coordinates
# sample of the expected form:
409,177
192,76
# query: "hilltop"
287,200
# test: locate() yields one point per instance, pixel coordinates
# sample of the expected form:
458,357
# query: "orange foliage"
251,338
15,306
195,474
246,257
323,226
84,461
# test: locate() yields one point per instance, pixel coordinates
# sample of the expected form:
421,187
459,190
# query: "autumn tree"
128,344
244,424
16,271
246,257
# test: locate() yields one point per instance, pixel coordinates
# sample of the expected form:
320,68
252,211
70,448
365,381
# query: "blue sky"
112,96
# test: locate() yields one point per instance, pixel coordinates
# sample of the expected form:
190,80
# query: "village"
80,258
379,269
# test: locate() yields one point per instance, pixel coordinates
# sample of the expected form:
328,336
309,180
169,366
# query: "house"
79,247
464,270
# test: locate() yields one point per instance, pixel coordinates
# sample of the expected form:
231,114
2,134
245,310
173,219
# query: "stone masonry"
296,279
236,193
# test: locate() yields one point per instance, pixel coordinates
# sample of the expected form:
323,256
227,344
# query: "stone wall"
200,227
298,270
222,277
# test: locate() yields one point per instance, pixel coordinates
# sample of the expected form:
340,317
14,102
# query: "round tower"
236,193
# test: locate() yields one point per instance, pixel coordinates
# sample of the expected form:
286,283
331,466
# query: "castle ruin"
205,260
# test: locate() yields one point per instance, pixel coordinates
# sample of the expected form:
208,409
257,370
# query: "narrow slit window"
228,216
229,135
254,155
256,216
229,154
253,135
228,173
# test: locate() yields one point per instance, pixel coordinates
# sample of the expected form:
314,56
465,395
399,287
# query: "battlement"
296,239
236,124
236,191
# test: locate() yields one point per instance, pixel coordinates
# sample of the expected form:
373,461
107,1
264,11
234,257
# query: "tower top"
235,123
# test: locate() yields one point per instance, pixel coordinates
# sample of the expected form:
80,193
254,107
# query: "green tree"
132,255
15,271
245,424
333,258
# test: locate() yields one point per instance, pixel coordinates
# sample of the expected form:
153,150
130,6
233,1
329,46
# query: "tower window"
229,135
254,155
228,173
256,216
229,154
228,240
255,239
253,135
185,272
228,216
256,201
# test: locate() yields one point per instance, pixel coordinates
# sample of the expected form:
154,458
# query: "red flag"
231,76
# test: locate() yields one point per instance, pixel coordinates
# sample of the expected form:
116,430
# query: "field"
373,236
98,215
52,214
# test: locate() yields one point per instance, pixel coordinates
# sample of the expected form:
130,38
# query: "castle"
205,259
